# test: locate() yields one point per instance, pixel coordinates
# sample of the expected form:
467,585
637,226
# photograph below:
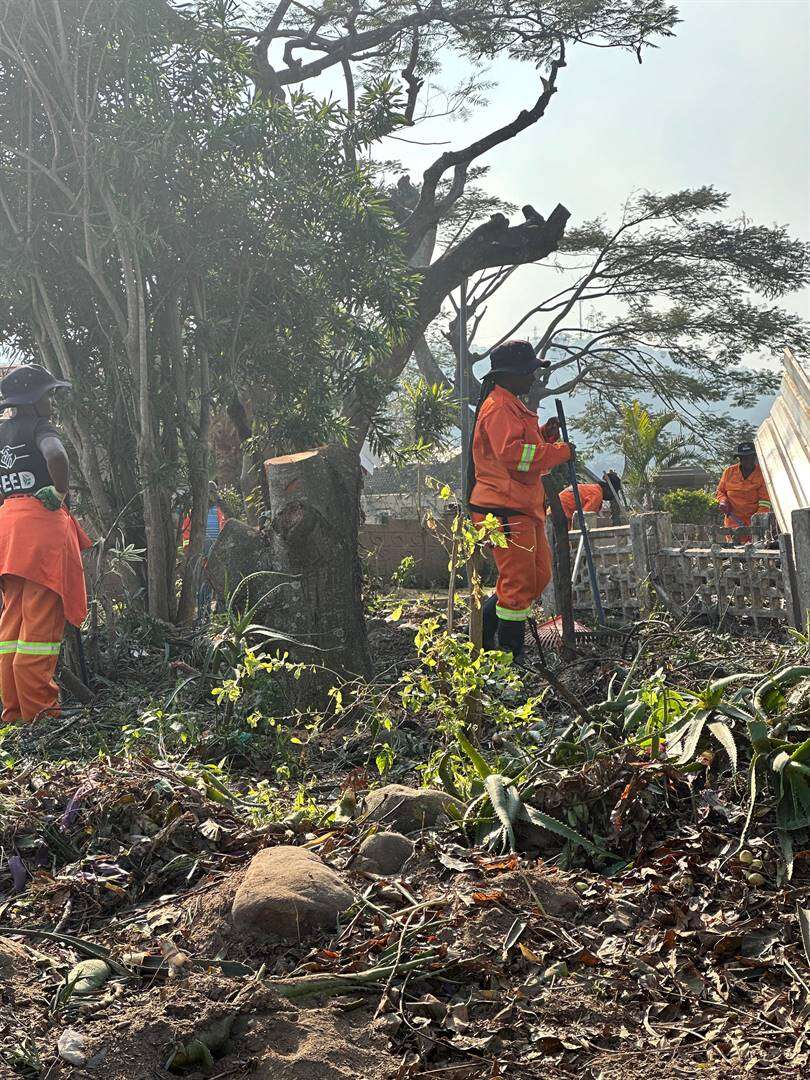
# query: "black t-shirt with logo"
23,469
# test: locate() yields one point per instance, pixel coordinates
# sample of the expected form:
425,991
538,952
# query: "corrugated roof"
783,443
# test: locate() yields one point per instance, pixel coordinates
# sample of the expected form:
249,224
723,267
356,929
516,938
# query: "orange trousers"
31,628
524,566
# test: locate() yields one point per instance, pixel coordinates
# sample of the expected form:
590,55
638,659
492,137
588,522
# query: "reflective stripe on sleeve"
512,616
39,648
527,456
8,647
765,503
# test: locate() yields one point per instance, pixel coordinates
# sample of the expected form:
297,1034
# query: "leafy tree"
671,301
167,235
648,449
445,233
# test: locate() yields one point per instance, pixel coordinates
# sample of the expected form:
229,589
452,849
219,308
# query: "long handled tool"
586,540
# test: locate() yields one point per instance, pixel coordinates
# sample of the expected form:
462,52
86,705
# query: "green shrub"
404,577
690,507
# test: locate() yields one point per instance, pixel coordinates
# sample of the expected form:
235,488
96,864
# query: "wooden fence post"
789,582
639,541
649,532
800,521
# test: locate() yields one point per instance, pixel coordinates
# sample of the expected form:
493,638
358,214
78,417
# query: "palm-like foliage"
648,450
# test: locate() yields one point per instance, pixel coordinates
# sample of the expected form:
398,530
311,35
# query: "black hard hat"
27,385
745,448
514,358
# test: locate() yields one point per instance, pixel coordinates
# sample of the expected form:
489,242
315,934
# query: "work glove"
551,430
724,506
50,498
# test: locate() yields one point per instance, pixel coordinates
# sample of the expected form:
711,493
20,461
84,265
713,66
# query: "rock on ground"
385,852
288,893
408,809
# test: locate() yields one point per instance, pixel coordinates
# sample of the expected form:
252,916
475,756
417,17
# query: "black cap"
27,385
745,448
515,358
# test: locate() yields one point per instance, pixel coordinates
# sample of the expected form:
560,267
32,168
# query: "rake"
548,634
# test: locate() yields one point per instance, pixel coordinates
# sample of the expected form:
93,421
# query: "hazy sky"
725,102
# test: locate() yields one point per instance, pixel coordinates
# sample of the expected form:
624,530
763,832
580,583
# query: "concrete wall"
384,546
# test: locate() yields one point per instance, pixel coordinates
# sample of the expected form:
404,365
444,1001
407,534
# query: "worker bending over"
510,453
741,492
41,573
592,496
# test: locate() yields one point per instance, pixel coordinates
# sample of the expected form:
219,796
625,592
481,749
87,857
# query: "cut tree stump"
311,545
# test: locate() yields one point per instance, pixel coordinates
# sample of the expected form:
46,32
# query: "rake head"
549,634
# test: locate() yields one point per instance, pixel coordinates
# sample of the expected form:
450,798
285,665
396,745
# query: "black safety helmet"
744,449
515,358
27,385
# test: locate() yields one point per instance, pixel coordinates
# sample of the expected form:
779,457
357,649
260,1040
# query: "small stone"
289,892
756,881
385,852
408,809
746,858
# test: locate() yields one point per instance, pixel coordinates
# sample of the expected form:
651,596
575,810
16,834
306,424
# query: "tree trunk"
312,544
315,500
253,480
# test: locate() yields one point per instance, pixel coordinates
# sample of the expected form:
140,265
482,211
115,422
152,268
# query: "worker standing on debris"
593,496
509,454
742,492
41,572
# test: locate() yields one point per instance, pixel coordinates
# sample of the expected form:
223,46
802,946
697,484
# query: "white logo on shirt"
8,457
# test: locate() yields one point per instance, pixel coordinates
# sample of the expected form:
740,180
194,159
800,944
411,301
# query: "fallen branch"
309,985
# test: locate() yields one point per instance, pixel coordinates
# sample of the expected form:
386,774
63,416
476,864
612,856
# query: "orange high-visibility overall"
42,579
510,457
745,495
592,498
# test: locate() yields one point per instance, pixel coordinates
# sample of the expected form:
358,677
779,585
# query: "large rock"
385,852
408,809
288,893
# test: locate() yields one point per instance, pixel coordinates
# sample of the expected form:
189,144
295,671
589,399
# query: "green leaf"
687,737
722,732
546,821
506,808
475,757
785,870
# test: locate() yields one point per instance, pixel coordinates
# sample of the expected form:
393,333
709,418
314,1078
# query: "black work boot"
490,622
510,636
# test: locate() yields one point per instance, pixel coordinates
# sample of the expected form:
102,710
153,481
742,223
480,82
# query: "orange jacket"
592,498
745,495
45,546
510,456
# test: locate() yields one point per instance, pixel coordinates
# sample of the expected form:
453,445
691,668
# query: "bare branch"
427,211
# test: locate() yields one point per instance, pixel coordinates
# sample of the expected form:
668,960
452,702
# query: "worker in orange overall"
593,496
510,453
742,492
41,572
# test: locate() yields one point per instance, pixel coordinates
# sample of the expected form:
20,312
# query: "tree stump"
311,543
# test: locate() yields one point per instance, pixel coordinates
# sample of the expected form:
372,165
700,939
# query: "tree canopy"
168,236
